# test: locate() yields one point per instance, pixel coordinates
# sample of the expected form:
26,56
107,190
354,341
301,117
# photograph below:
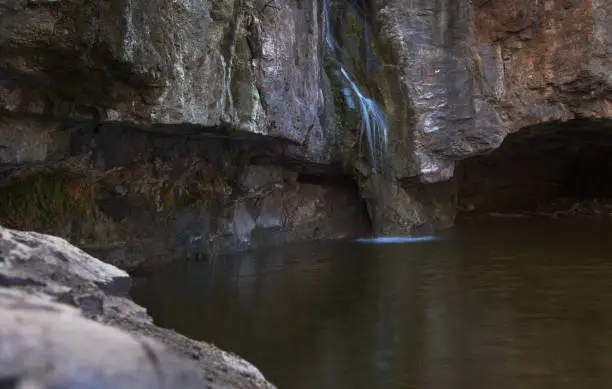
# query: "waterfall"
373,127
329,37
130,40
373,124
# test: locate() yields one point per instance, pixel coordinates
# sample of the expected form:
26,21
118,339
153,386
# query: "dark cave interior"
539,165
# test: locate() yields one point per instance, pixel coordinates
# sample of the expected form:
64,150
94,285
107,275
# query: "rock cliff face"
149,130
475,71
161,130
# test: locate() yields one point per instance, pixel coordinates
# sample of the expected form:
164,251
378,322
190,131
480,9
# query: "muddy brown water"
493,304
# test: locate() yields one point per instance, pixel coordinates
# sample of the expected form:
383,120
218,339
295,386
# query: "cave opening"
549,170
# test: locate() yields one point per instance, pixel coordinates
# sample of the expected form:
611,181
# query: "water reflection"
511,305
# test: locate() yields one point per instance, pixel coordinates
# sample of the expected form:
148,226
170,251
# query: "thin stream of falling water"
130,36
221,101
226,90
329,38
373,124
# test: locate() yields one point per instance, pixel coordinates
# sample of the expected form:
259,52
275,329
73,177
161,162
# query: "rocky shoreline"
561,208
66,320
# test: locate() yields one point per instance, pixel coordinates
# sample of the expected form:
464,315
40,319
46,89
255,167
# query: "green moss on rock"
47,202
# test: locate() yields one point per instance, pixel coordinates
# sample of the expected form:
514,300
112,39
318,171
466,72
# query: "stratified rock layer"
190,61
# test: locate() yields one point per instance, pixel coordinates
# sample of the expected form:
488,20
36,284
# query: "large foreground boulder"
49,345
66,322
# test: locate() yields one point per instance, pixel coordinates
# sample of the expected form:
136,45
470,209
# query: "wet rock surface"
66,322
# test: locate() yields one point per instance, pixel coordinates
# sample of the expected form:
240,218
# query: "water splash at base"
397,239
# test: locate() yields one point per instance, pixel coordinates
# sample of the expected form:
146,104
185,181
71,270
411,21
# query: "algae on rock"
49,202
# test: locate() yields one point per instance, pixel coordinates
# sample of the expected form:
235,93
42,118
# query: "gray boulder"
66,322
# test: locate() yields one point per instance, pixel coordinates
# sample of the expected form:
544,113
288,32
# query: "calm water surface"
512,304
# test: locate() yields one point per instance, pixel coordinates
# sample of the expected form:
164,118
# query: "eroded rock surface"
66,322
471,72
238,62
478,70
455,77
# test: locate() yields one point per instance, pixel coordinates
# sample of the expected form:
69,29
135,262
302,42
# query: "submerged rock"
66,321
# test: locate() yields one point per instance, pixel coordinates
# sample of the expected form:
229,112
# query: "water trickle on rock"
329,37
374,128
